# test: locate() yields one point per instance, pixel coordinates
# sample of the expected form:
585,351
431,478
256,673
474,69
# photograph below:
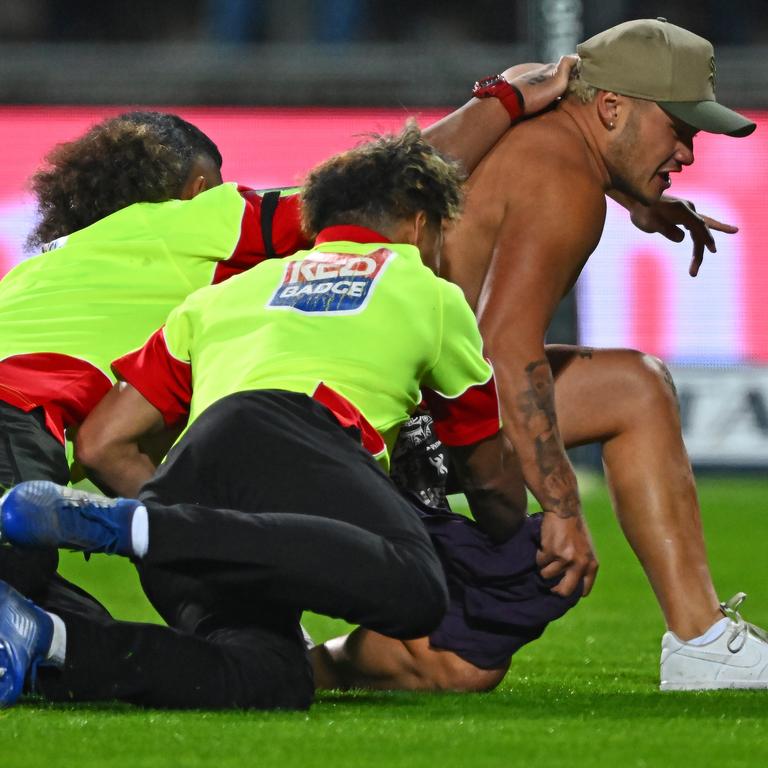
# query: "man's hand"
469,132
541,84
566,550
669,215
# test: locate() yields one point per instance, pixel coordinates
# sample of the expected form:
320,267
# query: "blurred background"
336,52
279,85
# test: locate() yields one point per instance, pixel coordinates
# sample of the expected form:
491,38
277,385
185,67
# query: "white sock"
140,531
711,634
58,650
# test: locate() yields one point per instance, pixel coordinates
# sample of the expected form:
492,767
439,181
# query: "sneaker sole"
9,693
715,686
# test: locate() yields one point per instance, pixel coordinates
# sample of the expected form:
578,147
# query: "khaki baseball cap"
655,60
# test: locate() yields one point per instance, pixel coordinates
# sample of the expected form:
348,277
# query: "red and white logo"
330,283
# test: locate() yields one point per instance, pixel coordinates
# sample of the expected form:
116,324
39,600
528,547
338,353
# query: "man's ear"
409,229
419,223
609,108
194,187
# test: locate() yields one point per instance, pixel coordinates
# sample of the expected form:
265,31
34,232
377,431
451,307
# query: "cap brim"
709,116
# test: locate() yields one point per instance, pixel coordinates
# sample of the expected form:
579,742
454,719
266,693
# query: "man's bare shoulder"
549,148
554,129
542,169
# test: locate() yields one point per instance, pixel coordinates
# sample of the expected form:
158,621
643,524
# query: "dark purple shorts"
498,600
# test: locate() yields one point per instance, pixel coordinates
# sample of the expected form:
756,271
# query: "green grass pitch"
584,695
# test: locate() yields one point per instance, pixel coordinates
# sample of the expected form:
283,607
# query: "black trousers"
265,508
28,451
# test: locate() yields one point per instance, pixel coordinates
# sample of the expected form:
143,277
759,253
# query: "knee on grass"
421,603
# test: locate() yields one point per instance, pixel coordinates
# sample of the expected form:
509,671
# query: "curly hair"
134,157
385,179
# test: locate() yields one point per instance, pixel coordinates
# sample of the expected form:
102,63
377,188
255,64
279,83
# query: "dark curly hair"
385,179
135,157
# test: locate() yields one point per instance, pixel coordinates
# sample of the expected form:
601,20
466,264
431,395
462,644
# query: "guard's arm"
153,394
109,443
468,133
489,475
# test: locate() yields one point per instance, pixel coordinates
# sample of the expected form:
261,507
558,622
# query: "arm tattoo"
539,394
670,382
536,404
536,79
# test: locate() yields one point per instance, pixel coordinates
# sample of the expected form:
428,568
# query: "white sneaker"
736,659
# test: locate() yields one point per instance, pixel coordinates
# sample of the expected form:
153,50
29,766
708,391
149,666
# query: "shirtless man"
645,88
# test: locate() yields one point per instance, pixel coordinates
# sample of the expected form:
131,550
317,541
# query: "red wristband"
497,87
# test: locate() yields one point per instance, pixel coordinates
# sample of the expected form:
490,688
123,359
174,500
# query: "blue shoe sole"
10,684
26,632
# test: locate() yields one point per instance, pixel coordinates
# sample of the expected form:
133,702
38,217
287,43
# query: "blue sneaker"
41,514
26,632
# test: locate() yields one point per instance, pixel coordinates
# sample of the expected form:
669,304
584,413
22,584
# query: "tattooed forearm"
547,454
538,399
535,79
554,483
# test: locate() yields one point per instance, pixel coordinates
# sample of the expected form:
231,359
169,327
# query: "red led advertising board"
635,290
262,148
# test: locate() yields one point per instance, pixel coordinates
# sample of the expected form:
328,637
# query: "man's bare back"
546,155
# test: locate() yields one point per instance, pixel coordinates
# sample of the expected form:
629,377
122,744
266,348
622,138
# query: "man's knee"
271,673
661,387
422,600
298,693
649,382
431,610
